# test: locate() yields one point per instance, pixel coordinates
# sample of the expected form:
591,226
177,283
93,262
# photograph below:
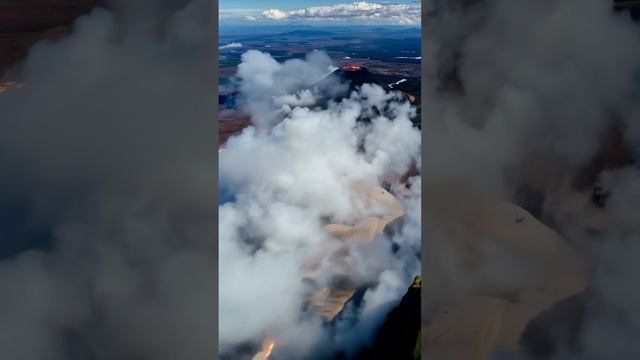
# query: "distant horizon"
229,28
397,13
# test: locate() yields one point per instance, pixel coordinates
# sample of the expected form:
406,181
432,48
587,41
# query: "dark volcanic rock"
20,16
530,199
342,82
23,23
399,334
357,76
633,7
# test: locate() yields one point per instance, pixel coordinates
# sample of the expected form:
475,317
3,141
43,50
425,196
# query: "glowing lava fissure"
10,85
351,68
270,347
267,349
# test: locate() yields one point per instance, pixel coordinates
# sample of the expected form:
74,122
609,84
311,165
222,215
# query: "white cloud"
401,14
231,46
263,78
302,98
239,13
275,14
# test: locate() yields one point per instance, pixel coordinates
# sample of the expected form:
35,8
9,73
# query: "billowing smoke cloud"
263,78
108,211
290,176
522,96
553,95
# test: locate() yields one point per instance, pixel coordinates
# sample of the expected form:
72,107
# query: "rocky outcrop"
399,335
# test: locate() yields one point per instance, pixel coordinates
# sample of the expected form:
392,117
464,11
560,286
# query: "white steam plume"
522,92
108,213
287,181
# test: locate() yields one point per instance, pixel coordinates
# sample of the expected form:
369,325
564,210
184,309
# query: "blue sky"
288,4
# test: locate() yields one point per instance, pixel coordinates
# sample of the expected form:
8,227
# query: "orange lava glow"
269,348
351,68
9,85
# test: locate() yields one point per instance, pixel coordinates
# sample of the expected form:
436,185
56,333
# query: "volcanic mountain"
336,86
355,76
342,82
